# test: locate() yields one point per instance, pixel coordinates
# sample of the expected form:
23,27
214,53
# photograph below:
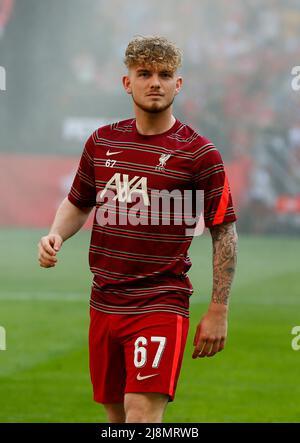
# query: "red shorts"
135,353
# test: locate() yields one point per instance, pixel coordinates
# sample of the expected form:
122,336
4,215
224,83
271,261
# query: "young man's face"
152,90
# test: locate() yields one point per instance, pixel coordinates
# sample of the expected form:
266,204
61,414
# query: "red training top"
139,254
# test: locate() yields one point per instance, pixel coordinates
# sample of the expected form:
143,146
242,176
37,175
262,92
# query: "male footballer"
139,305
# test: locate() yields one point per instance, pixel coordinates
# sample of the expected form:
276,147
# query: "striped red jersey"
139,255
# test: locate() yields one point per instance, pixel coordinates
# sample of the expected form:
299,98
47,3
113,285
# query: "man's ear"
127,84
179,82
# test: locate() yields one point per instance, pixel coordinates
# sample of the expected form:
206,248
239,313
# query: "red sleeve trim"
220,214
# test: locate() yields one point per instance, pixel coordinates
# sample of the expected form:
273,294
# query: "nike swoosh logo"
140,377
113,153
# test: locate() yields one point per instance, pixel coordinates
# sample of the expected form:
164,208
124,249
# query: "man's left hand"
211,332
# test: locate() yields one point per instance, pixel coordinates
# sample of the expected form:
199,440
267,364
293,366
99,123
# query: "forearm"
68,219
224,239
211,331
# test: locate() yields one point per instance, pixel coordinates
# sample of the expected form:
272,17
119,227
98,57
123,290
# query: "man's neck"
151,124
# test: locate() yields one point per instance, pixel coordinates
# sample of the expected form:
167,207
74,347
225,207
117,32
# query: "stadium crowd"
237,64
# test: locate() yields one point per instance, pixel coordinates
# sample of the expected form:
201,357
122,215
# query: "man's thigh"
135,354
106,356
154,348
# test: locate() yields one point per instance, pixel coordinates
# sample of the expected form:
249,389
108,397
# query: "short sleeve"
209,175
83,190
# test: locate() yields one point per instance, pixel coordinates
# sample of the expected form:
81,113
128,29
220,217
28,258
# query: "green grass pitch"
44,374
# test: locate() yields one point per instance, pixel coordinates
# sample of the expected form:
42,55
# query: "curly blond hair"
153,51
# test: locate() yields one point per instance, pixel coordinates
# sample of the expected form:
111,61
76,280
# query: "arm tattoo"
224,238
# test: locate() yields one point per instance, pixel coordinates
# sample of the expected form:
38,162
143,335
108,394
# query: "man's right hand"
48,246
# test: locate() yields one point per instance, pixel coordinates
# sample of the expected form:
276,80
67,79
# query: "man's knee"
115,412
145,407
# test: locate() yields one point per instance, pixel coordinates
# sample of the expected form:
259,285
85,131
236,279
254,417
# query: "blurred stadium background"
63,63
